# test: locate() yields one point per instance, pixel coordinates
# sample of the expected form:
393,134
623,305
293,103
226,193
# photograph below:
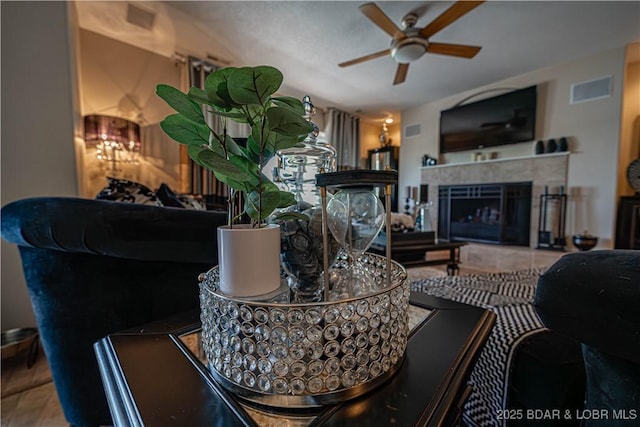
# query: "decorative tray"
306,355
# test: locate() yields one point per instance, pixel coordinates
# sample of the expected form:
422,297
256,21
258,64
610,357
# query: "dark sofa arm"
594,297
116,229
96,267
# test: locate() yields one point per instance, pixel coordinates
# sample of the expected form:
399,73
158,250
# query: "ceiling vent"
140,17
412,130
590,90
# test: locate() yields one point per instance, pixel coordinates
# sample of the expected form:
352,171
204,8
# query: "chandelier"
116,140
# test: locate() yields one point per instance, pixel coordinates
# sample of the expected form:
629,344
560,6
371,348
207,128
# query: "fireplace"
485,213
545,170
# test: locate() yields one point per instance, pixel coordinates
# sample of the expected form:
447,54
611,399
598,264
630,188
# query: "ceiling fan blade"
401,74
377,16
460,50
365,58
449,16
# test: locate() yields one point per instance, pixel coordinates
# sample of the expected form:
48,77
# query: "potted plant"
244,95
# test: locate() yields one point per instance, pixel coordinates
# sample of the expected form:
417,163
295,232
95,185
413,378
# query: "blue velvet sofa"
94,267
594,298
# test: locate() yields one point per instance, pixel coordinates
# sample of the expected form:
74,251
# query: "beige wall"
369,139
630,127
38,108
118,79
593,130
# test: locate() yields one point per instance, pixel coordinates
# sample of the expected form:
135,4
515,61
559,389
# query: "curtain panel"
201,180
343,132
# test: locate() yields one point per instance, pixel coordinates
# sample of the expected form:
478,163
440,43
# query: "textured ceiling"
307,39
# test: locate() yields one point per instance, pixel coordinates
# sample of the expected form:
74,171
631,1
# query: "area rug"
509,295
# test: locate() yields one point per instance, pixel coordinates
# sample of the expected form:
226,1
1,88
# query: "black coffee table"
154,376
413,252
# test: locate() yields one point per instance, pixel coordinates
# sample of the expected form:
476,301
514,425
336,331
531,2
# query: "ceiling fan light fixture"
410,43
409,50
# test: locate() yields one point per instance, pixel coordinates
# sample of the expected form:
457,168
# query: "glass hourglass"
355,216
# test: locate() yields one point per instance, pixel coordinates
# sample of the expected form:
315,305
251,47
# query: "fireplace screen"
486,213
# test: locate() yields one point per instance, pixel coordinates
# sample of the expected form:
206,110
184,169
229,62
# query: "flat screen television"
504,119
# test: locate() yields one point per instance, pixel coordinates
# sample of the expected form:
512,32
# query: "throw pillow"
168,197
193,201
122,190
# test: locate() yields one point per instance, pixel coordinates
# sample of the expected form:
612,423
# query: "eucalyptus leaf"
216,86
222,165
278,141
194,152
232,114
286,199
185,131
253,149
286,121
294,104
248,167
254,85
181,103
272,141
260,205
269,185
199,96
216,146
232,183
253,113
233,147
259,135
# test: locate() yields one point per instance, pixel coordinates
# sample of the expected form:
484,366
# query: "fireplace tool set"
552,220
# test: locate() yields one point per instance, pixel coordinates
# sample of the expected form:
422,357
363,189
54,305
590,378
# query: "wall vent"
140,17
590,90
412,130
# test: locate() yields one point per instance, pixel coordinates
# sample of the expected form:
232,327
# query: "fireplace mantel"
544,170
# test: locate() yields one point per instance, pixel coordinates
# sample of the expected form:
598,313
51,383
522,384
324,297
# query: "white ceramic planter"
249,259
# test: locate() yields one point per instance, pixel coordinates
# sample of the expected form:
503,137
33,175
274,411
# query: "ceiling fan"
411,42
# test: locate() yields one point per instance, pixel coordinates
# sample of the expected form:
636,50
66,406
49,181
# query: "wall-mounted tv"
504,119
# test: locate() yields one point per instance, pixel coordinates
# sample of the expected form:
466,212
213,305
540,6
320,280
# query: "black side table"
152,378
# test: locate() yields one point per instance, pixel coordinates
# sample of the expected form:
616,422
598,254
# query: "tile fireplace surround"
542,170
